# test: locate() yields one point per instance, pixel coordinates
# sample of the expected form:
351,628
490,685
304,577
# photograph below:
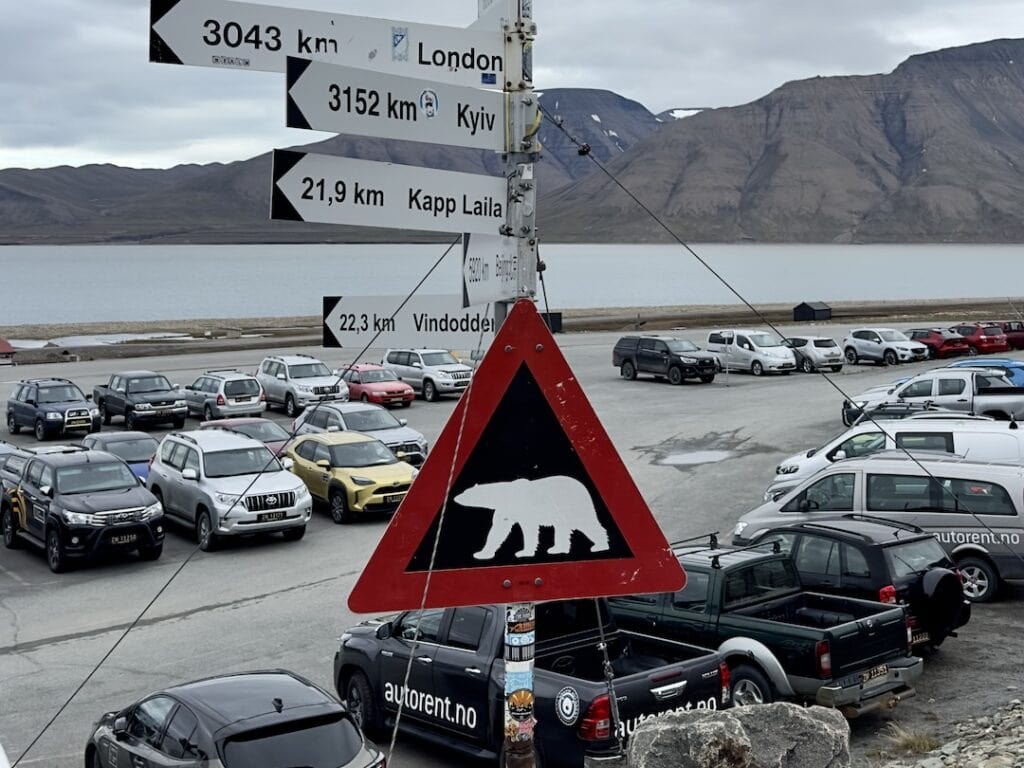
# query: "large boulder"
769,736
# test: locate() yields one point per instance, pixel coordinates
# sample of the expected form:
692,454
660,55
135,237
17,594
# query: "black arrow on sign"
159,51
281,207
293,71
329,339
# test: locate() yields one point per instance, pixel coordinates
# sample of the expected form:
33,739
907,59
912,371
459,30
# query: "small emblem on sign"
399,43
567,705
520,704
488,78
429,103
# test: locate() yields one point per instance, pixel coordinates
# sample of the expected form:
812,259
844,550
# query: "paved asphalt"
261,604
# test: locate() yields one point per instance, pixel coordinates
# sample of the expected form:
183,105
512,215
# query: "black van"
663,356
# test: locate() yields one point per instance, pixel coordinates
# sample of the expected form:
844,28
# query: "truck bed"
629,653
811,609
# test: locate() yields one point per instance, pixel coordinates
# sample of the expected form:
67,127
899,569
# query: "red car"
268,432
373,383
983,339
940,342
1014,330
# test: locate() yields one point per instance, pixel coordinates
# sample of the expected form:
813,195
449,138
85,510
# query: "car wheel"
10,528
340,513
429,391
756,368
55,557
707,378
178,423
294,534
129,420
205,536
40,431
806,366
889,358
360,703
675,375
104,413
291,411
972,351
981,580
749,686
151,553
836,368
628,371
207,413
851,355
12,425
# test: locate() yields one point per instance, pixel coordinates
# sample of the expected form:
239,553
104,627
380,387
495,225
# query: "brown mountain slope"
932,152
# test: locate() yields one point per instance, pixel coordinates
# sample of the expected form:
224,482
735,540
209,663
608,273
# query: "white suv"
434,372
295,381
882,345
221,483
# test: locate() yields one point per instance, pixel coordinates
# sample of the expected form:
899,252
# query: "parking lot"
701,454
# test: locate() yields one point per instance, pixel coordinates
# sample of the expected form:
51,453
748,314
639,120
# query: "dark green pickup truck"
778,640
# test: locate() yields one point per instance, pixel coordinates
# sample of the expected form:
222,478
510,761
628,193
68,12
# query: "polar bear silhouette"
558,502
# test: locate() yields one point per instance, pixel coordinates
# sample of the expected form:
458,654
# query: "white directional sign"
222,33
327,97
488,269
340,190
424,321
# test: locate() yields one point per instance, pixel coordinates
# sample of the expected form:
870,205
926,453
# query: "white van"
738,349
974,508
975,440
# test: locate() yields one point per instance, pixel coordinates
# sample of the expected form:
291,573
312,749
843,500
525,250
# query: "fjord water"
89,283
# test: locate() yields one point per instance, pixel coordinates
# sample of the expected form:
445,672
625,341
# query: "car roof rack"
887,520
715,563
185,437
223,370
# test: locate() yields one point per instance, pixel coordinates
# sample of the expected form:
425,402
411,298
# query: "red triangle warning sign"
523,498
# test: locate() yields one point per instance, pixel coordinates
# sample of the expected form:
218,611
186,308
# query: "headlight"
415,472
142,406
80,518
180,403
422,444
54,416
153,510
94,412
443,375
302,492
361,480
226,498
740,527
303,388
688,360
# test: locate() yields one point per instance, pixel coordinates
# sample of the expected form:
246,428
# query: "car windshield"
330,742
134,451
915,556
141,384
825,343
365,454
893,336
439,358
240,461
370,419
308,370
241,387
64,393
764,340
992,330
369,377
681,345
265,431
95,477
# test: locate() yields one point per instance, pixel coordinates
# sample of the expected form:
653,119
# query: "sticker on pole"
539,507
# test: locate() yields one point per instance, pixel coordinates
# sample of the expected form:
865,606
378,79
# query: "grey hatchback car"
373,420
222,394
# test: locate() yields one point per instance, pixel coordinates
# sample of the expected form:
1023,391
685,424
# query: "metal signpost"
434,321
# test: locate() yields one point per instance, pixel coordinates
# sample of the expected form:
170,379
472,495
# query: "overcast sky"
76,86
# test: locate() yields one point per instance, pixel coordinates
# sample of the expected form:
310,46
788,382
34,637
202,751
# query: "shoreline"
266,332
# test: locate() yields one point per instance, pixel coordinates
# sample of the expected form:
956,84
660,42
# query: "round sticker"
567,705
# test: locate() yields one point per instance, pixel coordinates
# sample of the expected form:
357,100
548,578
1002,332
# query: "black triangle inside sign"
537,502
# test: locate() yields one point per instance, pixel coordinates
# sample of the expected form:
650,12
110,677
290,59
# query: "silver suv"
295,381
220,394
433,372
374,420
225,484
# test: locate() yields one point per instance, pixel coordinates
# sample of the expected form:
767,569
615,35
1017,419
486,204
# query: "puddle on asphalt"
693,458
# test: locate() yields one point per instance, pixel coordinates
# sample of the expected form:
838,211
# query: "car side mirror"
417,365
334,428
175,386
401,455
280,377
120,728
140,481
189,474
47,491
384,631
806,505
324,464
120,390
89,396
403,422
838,455
287,463
30,401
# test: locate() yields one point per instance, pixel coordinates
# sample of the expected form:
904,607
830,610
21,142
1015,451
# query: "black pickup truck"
778,640
455,693
141,396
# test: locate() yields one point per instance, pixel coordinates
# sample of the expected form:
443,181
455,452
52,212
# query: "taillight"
910,633
263,396
220,399
824,658
887,594
597,722
724,680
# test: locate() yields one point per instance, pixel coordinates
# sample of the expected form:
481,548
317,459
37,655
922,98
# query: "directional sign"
340,190
423,321
488,269
222,33
524,495
326,97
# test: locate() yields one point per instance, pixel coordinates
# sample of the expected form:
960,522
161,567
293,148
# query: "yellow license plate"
920,637
880,671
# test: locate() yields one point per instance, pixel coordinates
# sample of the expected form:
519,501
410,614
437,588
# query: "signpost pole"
520,637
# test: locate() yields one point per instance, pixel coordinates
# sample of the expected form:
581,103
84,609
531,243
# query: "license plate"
124,538
269,517
394,498
242,399
920,637
880,671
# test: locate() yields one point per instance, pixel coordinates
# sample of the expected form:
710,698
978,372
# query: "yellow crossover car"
353,472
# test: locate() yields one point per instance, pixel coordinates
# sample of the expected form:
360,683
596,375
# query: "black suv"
76,503
887,561
663,356
50,407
